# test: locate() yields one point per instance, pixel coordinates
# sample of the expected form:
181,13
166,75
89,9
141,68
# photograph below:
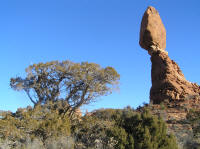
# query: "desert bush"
193,117
119,134
51,143
48,127
131,129
62,142
39,123
92,133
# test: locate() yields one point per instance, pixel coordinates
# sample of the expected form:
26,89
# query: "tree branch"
27,92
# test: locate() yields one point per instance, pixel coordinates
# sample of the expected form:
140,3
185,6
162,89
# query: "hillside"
44,127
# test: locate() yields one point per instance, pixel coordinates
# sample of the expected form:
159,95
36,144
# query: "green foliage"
39,123
119,134
57,90
92,133
162,106
76,83
148,131
131,129
194,118
46,126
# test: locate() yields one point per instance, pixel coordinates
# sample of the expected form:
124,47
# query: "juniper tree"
75,83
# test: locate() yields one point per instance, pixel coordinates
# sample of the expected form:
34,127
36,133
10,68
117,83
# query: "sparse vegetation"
137,129
38,124
44,127
57,90
194,118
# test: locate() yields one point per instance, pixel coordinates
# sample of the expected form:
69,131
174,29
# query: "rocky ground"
175,114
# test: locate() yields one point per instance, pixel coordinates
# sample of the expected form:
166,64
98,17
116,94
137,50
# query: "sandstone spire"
168,82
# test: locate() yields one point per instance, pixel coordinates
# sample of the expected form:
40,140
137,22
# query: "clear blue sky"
101,31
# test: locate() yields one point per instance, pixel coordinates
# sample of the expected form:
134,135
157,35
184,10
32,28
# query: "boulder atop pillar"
152,31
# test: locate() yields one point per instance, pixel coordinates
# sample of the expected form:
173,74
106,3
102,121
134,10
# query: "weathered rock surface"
168,81
173,97
175,114
152,31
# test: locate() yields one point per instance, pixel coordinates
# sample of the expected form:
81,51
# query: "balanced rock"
168,81
152,31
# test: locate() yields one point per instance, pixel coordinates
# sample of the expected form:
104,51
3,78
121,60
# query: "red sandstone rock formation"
152,31
168,81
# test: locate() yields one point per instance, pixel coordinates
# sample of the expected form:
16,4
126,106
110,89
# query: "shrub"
194,118
139,130
39,123
47,127
92,132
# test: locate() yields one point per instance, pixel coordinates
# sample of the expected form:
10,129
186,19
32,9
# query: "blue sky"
101,31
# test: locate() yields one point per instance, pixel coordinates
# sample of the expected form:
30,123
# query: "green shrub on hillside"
43,122
48,127
194,118
128,128
91,133
148,131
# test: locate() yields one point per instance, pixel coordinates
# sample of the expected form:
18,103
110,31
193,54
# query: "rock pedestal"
168,81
